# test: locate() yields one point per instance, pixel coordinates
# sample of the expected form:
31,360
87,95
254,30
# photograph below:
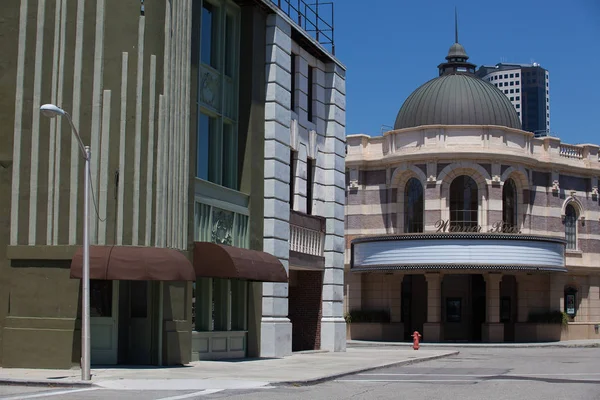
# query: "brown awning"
131,263
213,260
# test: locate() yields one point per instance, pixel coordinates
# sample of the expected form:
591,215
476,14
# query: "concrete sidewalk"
300,369
457,345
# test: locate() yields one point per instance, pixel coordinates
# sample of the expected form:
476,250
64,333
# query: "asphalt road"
523,373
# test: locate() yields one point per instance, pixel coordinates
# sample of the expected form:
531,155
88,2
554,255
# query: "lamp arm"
81,146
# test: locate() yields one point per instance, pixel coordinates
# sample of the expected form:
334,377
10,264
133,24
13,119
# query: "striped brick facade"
548,175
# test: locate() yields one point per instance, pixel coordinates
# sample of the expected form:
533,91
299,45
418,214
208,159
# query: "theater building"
464,227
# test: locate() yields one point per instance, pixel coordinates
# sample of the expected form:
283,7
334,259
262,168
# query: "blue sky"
390,47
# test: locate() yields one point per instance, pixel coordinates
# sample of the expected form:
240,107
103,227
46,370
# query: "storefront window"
509,205
101,298
220,305
463,202
571,227
413,206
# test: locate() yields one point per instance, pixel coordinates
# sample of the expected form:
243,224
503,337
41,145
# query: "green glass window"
217,93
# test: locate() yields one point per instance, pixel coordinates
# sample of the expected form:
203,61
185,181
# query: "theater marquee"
439,251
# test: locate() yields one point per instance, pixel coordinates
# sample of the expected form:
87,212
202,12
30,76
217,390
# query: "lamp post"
50,110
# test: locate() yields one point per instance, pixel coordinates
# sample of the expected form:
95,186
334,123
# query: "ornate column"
493,329
432,329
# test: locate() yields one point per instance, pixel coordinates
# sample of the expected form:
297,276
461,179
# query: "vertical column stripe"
186,130
177,130
103,160
150,163
167,123
160,146
169,163
58,142
138,134
35,126
52,138
75,151
16,176
122,132
96,108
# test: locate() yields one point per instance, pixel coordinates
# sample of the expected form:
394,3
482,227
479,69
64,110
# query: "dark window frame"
463,190
414,206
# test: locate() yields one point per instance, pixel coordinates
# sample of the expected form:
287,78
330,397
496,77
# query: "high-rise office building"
527,87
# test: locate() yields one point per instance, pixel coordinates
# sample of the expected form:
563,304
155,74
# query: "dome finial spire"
455,26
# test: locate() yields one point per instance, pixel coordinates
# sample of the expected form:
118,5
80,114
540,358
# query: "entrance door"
140,323
104,300
478,306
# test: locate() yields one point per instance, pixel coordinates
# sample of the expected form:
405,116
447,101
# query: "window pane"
229,45
209,35
571,227
293,87
101,298
509,204
463,202
238,305
203,304
310,93
310,181
293,157
230,159
413,206
219,304
202,148
214,155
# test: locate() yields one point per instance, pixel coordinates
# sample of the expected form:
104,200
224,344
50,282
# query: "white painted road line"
190,395
425,374
408,381
487,376
179,384
48,394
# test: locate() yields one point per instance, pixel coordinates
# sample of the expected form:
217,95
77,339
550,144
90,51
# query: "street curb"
476,346
316,381
42,383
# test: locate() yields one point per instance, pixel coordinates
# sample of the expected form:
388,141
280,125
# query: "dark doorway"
478,306
508,306
136,323
414,304
305,304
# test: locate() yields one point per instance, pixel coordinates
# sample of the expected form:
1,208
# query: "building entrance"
414,304
463,307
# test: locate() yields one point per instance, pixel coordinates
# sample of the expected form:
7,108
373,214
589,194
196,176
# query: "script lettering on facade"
497,227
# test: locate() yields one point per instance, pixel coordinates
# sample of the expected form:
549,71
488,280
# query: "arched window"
463,202
413,206
571,227
509,204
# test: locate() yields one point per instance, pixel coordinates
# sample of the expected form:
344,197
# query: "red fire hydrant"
416,336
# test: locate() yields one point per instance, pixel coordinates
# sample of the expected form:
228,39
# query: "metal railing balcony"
310,17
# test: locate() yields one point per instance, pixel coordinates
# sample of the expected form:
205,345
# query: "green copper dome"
457,97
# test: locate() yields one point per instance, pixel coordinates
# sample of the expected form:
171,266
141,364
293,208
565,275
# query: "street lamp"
51,111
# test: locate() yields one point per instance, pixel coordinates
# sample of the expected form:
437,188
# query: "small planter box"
537,332
377,331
